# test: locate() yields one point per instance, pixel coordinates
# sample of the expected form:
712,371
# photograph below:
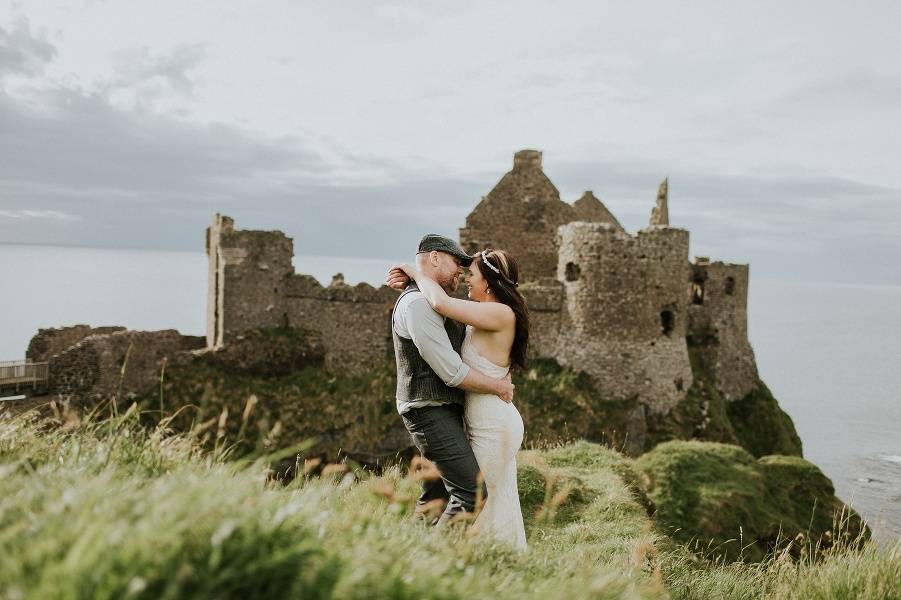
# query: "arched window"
730,285
572,271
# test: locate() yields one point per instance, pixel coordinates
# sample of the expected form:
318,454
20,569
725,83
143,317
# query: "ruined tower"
625,311
718,325
246,270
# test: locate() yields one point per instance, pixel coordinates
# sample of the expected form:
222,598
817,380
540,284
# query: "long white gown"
495,431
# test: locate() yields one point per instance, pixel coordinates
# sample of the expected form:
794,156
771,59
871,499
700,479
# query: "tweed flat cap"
433,241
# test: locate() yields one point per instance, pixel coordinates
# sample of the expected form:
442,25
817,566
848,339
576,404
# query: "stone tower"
246,270
625,318
718,325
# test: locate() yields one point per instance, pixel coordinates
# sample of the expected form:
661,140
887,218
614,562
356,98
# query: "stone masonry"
253,286
718,325
522,214
624,318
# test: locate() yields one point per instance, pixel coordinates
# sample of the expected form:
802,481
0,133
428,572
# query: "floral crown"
484,255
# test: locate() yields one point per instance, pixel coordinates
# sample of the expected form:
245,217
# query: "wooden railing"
20,373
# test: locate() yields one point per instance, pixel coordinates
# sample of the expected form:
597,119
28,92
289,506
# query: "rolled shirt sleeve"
426,328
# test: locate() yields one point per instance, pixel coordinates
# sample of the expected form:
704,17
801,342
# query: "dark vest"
415,378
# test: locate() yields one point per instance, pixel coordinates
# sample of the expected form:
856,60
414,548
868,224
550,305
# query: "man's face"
449,272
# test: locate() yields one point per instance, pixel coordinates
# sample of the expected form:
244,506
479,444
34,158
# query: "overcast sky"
356,127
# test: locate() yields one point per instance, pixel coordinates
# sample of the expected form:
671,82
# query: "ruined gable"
521,215
590,208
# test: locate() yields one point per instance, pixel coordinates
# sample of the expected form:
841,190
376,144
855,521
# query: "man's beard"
450,285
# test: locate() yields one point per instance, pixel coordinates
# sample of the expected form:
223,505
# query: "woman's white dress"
495,432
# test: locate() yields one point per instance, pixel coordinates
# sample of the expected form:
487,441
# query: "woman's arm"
491,316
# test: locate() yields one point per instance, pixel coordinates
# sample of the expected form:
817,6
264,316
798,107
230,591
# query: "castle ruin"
623,308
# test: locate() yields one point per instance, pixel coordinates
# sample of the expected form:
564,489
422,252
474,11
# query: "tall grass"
109,509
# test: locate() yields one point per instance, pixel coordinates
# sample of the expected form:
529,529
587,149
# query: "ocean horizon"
830,352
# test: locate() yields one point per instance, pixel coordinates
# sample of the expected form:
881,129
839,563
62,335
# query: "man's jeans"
438,434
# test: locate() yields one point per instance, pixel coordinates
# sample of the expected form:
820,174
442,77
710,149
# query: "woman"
497,336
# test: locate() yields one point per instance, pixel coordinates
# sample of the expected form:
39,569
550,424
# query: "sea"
830,353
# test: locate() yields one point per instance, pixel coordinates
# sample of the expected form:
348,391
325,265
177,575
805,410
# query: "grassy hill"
113,509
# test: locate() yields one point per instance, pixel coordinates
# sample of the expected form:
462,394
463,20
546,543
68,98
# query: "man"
431,379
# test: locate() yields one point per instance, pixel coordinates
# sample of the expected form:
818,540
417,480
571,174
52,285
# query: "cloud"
108,163
173,71
24,213
21,52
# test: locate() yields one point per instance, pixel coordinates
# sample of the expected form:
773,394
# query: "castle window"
697,292
667,321
699,278
572,271
730,285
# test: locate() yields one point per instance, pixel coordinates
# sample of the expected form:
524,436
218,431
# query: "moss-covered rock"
583,455
352,416
559,405
269,352
725,503
761,426
756,422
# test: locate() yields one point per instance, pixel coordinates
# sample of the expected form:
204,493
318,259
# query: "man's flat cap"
433,241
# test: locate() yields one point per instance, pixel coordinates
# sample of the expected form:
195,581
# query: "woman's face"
476,284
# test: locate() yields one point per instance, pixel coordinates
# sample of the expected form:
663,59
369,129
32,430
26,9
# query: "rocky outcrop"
721,501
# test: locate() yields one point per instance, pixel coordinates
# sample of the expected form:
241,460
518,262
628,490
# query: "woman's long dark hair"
504,287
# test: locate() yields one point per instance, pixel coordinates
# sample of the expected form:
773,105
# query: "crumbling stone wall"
625,311
521,215
248,270
544,299
48,342
718,325
92,369
254,286
353,322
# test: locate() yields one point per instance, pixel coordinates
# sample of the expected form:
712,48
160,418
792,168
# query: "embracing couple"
453,380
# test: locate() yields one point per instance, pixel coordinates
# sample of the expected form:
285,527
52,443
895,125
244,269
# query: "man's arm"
478,382
426,328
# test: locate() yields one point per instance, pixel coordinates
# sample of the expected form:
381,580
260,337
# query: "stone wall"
625,311
353,322
254,286
544,299
48,342
92,370
718,325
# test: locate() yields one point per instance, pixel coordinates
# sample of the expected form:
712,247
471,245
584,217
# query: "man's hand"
505,388
397,279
